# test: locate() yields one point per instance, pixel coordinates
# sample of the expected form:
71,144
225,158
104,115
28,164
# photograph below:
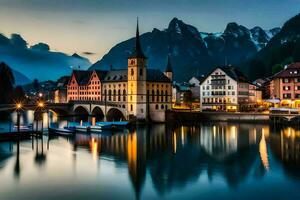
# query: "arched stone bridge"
110,111
100,109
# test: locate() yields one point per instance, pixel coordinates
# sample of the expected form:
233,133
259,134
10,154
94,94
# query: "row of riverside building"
146,93
228,89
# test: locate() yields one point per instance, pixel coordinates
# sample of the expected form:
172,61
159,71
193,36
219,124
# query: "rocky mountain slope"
282,49
192,52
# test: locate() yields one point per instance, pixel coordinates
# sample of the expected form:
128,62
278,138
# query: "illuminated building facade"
227,89
144,93
285,85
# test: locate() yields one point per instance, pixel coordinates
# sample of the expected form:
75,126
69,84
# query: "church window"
131,107
132,72
132,62
162,106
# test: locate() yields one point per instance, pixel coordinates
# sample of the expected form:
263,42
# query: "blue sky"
96,25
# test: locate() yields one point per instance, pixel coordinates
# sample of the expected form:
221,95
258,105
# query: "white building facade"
224,89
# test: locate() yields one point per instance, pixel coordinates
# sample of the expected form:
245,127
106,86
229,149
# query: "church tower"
136,85
169,70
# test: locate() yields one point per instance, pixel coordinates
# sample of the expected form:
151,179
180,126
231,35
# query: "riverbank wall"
185,116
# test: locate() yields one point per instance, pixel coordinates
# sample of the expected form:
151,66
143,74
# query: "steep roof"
101,74
82,76
292,70
234,73
116,76
155,75
169,65
230,71
137,51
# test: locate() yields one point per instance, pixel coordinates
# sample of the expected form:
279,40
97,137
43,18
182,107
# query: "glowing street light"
19,106
41,105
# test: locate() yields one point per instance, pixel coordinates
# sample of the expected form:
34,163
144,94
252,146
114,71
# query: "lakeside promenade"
196,116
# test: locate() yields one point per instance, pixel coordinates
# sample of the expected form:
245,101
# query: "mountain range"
37,61
192,52
282,49
254,50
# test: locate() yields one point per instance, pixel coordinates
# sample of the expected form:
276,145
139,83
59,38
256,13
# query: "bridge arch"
98,113
81,110
115,114
58,111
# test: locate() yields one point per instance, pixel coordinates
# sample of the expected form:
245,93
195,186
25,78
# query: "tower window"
132,62
141,72
131,107
132,72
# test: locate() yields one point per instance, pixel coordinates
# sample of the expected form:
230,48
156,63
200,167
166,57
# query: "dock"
23,135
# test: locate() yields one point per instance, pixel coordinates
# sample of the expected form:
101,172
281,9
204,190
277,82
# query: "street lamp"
18,107
41,104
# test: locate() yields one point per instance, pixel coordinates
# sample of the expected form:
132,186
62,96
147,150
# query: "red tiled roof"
292,70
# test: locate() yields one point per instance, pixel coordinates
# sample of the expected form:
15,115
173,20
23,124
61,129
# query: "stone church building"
144,93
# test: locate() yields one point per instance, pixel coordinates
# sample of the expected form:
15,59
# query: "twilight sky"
97,25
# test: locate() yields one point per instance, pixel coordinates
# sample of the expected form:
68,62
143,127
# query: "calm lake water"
207,161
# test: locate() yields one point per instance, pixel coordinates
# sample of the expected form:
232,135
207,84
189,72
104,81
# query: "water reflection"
170,159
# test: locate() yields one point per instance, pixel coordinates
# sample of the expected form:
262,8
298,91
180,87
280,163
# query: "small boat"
61,131
71,128
24,127
83,128
113,125
101,127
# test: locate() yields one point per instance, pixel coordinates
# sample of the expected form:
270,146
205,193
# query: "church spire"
137,51
169,65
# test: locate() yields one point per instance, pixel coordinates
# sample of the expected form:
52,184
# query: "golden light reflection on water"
174,142
132,152
94,148
263,152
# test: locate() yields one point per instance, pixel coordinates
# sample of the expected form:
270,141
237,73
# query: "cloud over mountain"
38,61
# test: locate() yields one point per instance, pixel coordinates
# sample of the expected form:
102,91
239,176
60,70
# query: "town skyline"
95,27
